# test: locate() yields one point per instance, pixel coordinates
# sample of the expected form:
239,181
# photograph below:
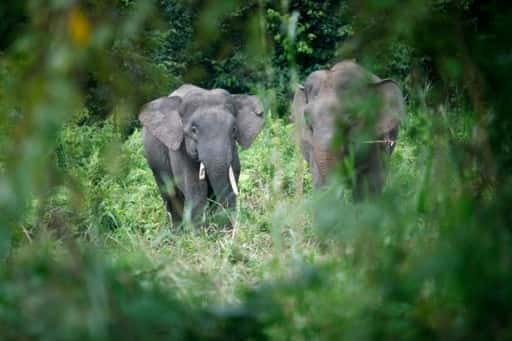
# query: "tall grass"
114,235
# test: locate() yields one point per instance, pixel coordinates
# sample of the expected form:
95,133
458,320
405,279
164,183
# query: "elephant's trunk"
231,176
325,161
221,177
324,155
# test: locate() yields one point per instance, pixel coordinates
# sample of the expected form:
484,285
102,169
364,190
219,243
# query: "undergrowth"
293,266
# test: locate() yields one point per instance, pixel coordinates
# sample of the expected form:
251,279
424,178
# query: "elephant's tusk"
386,141
202,172
232,181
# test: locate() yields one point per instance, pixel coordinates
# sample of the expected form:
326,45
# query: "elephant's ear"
162,119
249,118
298,117
392,106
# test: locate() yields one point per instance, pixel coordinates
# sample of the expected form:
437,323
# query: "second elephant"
347,111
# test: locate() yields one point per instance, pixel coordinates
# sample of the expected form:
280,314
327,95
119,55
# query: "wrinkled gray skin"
363,107
194,125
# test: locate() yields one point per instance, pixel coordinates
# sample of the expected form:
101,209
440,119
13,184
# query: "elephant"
190,145
346,115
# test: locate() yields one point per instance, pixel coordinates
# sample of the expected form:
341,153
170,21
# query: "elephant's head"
344,107
204,125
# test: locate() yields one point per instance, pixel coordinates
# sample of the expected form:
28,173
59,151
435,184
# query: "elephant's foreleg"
175,205
172,198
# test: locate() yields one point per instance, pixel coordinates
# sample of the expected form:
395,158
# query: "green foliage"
172,40
96,162
305,35
80,294
139,48
307,31
85,250
14,19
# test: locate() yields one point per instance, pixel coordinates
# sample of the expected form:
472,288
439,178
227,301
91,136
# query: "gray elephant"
348,114
189,141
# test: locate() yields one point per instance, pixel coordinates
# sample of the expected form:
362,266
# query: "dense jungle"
88,251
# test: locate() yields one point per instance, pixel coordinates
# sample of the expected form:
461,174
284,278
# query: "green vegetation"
85,250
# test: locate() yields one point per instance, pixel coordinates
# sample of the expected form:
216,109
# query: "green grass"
119,210
122,211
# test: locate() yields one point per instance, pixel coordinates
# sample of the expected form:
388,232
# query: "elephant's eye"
193,129
234,130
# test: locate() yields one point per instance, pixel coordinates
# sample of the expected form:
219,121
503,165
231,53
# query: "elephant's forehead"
205,102
213,115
